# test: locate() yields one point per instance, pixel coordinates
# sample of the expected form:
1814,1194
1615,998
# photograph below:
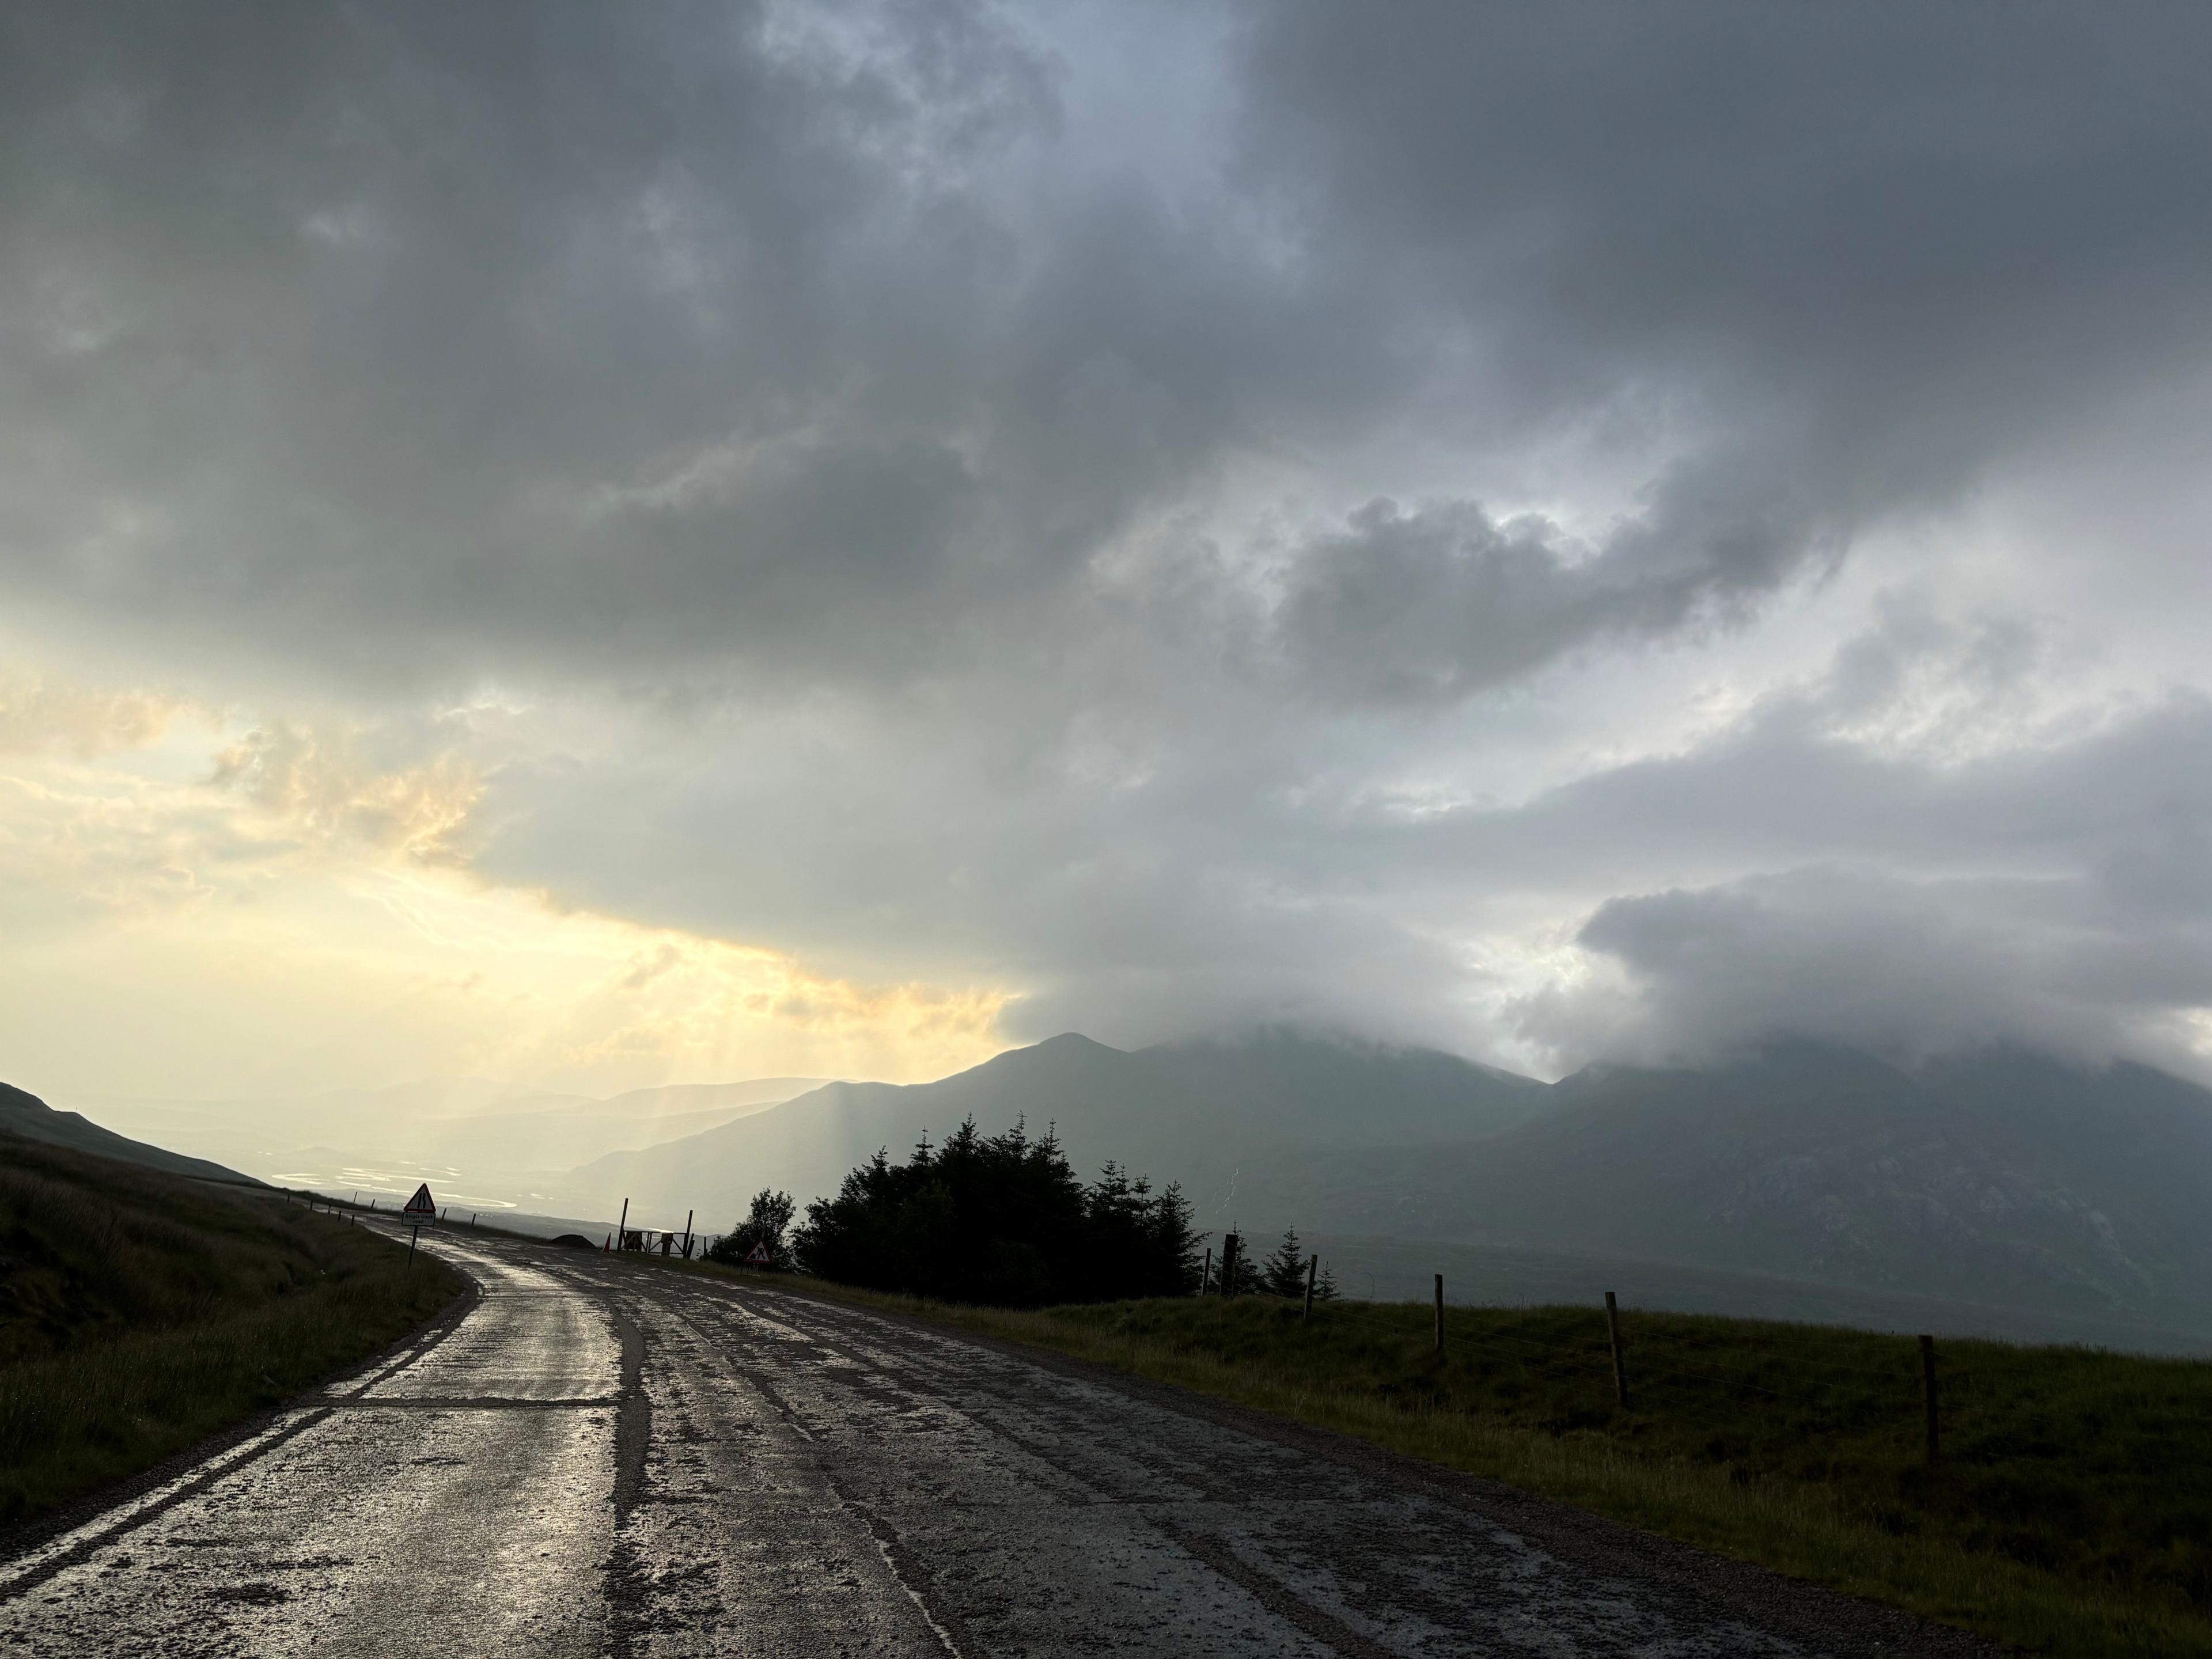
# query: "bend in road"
604,1457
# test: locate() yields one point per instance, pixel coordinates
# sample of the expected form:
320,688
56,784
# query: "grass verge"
142,1312
2070,1512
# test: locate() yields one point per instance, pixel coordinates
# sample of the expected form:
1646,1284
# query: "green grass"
141,1312
2070,1512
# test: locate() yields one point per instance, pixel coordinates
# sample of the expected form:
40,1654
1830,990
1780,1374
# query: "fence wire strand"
1690,1373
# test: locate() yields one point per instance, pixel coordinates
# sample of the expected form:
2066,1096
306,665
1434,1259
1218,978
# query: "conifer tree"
1284,1274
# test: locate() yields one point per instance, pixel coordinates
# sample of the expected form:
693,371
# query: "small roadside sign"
759,1257
414,1211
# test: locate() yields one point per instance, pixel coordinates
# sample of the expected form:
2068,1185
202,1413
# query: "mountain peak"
1067,1043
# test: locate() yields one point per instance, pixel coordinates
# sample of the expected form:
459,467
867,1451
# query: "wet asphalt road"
604,1457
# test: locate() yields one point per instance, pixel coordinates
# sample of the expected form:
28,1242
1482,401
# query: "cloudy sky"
606,544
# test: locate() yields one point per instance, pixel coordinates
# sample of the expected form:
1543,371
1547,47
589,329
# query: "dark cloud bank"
804,367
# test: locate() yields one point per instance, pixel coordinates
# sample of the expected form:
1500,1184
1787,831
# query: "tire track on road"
906,1566
898,1560
1376,1554
629,1585
940,1369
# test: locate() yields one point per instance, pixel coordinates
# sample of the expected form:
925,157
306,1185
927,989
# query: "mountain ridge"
511,1140
23,1113
1999,1177
1187,1112
1828,1163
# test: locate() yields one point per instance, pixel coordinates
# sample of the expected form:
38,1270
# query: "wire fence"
1693,1368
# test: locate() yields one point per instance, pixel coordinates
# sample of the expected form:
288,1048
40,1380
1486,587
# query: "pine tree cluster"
1002,1220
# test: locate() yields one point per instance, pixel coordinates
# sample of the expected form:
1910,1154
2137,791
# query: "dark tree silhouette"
764,1223
1284,1274
1000,1220
1237,1274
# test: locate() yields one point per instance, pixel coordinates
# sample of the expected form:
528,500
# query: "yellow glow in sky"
192,909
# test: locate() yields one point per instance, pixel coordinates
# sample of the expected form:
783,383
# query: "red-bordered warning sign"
758,1256
422,1206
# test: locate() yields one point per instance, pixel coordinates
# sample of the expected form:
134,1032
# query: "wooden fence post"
1612,1336
1312,1267
1928,1388
1206,1279
1440,1313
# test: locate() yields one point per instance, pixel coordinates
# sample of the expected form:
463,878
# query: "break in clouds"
1547,530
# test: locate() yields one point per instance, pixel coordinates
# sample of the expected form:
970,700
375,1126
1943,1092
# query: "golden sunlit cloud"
318,783
188,910
37,713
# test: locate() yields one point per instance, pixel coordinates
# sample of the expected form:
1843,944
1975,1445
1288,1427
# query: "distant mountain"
498,1141
26,1115
692,1099
2003,1177
1193,1113
424,1097
537,1137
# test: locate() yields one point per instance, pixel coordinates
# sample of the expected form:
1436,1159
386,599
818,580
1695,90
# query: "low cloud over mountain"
1999,1179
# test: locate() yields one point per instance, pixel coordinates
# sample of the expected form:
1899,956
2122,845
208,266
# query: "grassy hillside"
1502,1276
2069,1512
25,1116
141,1312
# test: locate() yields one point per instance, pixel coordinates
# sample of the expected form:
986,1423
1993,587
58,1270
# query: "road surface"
602,1456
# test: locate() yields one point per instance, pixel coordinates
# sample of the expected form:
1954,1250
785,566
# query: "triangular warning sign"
422,1206
759,1257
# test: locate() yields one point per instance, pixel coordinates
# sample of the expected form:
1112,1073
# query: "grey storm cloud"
1434,604
1915,968
1908,234
823,365
771,337
2058,894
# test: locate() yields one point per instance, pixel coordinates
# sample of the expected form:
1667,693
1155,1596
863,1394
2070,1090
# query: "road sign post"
419,1209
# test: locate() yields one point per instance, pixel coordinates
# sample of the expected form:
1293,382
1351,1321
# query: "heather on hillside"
143,1310
1001,1220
